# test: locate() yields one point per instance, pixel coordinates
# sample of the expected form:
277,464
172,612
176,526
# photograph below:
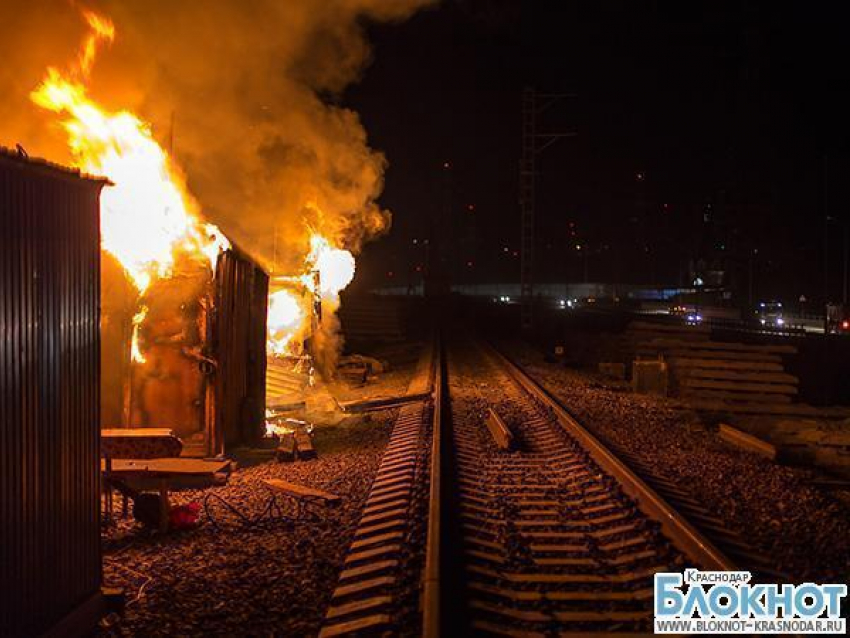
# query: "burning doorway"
188,353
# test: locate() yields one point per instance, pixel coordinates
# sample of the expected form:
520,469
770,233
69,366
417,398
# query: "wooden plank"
168,466
791,409
502,436
737,386
747,441
131,432
726,346
286,402
382,403
750,397
738,375
302,491
696,352
725,365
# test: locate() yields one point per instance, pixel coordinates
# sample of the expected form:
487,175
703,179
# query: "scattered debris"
747,441
286,450
499,430
304,445
307,499
275,579
372,365
383,403
287,407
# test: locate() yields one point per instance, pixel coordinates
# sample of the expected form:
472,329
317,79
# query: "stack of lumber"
283,384
734,372
638,333
373,319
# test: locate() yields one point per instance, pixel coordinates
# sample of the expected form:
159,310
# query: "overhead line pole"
533,143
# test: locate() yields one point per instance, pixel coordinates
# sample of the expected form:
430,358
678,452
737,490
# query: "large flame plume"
249,97
147,215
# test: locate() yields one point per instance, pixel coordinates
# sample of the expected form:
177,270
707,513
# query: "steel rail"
684,535
431,576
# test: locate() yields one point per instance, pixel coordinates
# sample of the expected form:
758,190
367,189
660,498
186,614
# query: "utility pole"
825,229
533,143
844,283
826,244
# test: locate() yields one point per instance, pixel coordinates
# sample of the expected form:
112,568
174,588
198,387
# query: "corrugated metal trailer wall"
50,562
239,343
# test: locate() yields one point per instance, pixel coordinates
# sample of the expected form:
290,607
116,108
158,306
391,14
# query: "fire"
147,216
101,29
335,265
285,318
136,352
288,316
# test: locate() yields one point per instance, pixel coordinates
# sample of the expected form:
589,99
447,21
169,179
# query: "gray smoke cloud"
246,88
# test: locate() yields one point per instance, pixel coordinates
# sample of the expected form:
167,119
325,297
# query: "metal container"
238,343
50,562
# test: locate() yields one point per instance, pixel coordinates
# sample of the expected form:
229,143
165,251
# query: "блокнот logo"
697,602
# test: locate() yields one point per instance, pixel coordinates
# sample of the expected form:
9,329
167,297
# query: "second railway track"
554,536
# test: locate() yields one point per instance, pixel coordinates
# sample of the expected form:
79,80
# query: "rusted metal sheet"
50,563
239,343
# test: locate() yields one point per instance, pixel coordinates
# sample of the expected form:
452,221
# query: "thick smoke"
242,91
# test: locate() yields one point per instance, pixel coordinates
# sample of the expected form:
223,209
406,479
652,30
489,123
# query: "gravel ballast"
271,579
803,528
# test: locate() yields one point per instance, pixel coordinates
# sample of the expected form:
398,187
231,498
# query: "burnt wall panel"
50,562
241,291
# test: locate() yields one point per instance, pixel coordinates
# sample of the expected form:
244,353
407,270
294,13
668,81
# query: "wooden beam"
747,441
500,432
738,386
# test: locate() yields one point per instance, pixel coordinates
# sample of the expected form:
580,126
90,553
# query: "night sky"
729,111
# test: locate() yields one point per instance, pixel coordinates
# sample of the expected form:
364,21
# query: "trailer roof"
19,157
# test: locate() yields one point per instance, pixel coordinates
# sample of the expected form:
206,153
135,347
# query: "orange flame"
285,319
288,316
135,351
335,265
147,215
101,29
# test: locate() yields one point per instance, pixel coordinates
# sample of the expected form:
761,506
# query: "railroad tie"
365,599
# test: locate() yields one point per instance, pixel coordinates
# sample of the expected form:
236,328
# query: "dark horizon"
732,115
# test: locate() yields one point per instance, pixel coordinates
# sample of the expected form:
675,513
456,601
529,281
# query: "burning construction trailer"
184,312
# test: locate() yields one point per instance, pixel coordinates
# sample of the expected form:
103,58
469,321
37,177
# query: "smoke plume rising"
243,94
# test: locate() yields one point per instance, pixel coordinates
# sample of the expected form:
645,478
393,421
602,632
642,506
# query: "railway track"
555,536
495,513
379,584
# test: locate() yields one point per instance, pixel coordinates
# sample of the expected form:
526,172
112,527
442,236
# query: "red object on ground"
184,516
